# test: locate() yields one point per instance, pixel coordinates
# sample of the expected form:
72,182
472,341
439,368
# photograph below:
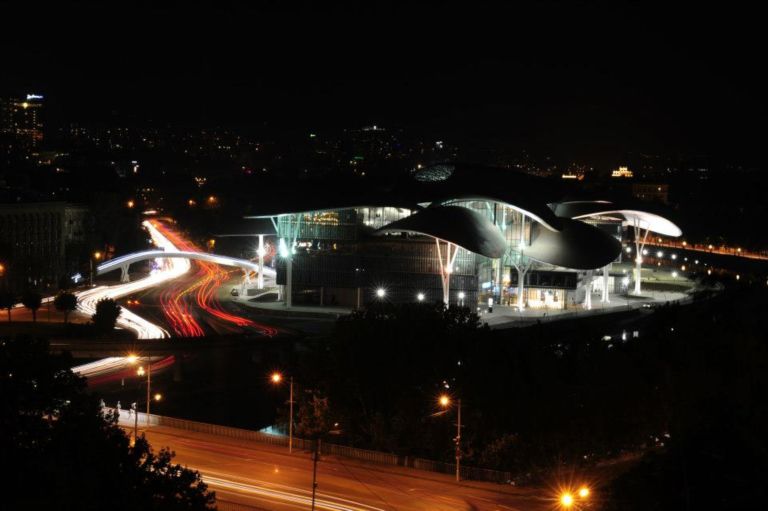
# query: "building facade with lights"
21,118
457,234
41,242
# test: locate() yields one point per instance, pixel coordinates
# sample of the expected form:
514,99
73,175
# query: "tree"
7,301
314,418
66,303
32,301
66,454
107,312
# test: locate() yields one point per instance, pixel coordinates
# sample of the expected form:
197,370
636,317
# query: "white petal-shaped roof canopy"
630,216
460,226
577,245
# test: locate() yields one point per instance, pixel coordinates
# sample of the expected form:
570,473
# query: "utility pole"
314,471
290,420
458,443
149,382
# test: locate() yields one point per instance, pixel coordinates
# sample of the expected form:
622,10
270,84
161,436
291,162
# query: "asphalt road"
265,477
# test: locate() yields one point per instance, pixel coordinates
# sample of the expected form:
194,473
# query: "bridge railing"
326,448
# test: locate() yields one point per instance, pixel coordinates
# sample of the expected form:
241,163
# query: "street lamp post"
445,402
97,256
276,379
140,372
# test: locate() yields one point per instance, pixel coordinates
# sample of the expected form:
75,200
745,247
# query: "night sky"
577,78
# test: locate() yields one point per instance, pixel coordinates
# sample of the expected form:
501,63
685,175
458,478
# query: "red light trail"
209,278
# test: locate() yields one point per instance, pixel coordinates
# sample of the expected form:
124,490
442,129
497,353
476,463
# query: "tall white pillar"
520,287
260,281
588,289
638,272
606,277
289,281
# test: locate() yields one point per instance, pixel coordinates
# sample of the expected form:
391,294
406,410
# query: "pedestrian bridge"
124,262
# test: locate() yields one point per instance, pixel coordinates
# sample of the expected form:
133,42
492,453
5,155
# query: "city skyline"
681,82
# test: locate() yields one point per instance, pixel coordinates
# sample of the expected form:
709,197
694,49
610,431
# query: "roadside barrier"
326,448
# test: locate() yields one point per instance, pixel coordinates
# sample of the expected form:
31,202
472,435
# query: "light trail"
88,299
169,269
288,494
211,278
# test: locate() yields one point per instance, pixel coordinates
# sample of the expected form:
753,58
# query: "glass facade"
337,261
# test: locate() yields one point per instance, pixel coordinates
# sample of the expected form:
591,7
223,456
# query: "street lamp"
566,500
381,293
277,378
96,255
584,492
132,359
420,297
445,401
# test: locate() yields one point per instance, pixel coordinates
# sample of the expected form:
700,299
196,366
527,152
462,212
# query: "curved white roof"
644,219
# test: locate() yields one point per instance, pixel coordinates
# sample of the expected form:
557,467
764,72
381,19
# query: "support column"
588,288
639,247
260,281
522,267
124,277
289,281
446,270
606,276
522,270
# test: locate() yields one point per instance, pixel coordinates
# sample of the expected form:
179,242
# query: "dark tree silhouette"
65,454
107,312
7,301
32,301
66,303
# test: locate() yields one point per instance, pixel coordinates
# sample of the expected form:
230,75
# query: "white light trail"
280,492
169,269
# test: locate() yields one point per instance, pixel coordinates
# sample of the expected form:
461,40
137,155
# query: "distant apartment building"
622,172
41,242
653,192
21,119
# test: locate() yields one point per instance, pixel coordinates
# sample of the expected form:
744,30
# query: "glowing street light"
97,256
584,492
381,293
158,396
277,378
445,401
130,204
566,500
420,297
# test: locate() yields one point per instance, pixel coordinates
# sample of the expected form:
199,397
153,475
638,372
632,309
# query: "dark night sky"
581,77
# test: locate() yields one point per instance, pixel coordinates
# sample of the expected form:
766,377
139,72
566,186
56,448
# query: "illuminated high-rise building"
22,119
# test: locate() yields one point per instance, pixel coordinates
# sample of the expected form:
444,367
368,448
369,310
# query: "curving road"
259,476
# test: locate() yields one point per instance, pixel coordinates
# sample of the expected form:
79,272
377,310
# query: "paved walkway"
502,316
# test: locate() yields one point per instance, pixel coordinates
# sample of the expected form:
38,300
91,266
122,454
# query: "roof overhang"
578,245
454,224
632,217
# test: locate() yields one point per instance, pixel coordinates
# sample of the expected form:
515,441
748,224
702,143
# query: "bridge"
124,262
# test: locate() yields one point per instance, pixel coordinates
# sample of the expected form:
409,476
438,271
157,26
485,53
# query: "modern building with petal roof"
455,233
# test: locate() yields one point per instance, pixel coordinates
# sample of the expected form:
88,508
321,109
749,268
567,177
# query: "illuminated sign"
33,96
